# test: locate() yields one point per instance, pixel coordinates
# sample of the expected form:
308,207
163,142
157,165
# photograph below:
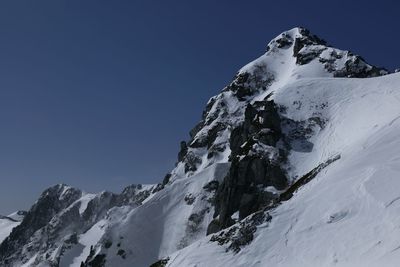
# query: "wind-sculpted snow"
348,214
260,174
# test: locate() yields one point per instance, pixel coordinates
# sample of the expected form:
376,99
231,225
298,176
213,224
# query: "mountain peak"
61,191
287,38
282,122
298,53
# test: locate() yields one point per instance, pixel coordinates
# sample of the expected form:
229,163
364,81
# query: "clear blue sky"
98,94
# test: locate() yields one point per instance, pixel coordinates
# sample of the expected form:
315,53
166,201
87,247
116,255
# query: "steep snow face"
349,214
7,223
170,220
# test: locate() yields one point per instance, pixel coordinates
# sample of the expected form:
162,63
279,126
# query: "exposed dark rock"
94,261
213,227
355,66
98,207
215,149
98,261
49,221
166,179
196,218
160,263
247,84
191,162
189,199
51,202
208,140
307,56
256,164
196,129
239,86
158,187
242,233
182,153
284,41
133,195
73,239
201,124
121,253
108,244
358,68
211,186
306,40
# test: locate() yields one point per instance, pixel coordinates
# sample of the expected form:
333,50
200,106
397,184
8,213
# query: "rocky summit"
294,163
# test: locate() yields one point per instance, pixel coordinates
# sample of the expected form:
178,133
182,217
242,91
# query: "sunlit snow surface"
340,218
349,215
6,226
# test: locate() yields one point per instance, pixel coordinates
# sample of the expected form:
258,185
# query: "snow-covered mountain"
294,163
7,223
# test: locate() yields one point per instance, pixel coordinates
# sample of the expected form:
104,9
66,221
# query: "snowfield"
349,215
5,228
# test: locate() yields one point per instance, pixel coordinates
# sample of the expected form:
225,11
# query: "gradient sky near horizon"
98,94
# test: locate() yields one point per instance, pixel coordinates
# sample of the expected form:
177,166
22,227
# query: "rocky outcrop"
242,233
309,47
356,67
160,263
257,161
135,194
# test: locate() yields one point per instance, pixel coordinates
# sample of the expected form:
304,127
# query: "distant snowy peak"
17,216
56,220
9,222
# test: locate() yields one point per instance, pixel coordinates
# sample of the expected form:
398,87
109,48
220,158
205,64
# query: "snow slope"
7,223
287,112
349,214
6,226
160,226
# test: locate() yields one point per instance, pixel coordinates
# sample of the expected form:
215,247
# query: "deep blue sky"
98,94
